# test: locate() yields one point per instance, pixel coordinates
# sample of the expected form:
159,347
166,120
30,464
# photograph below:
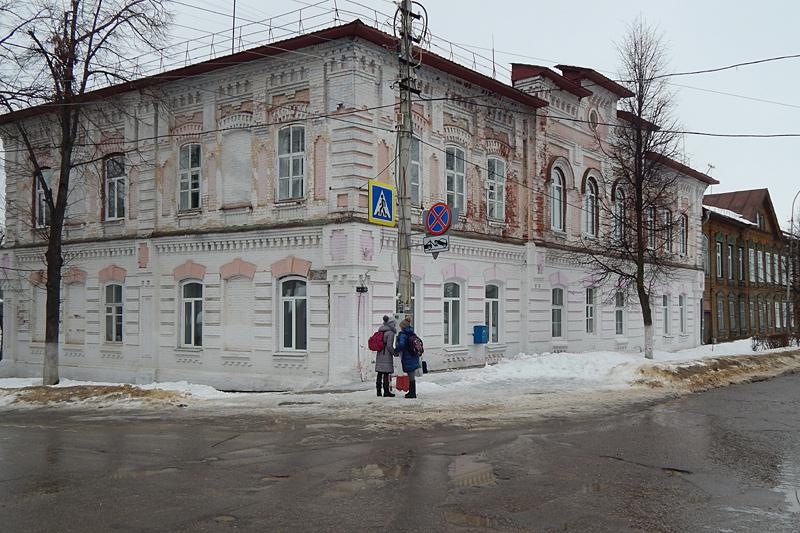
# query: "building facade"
746,267
223,234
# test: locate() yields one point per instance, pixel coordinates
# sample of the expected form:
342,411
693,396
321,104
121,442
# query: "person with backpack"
410,348
382,343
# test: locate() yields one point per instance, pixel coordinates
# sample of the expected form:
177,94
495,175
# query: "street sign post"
382,201
438,219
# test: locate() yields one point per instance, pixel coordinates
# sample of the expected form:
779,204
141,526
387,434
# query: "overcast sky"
700,35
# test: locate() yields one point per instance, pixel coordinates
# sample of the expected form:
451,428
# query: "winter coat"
408,358
384,359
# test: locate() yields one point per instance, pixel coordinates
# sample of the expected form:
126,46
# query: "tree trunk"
647,317
52,310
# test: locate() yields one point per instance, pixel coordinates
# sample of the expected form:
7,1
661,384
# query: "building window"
650,227
416,171
720,314
41,210
778,315
558,307
452,314
619,313
493,312
773,268
455,163
683,237
115,187
740,258
732,312
665,312
706,258
590,208
719,259
762,319
619,214
590,303
557,203
752,316
742,316
763,277
752,264
668,230
192,319
760,221
496,195
730,261
294,315
682,312
189,186
291,162
113,303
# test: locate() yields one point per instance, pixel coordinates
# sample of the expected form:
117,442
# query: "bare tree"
630,223
54,54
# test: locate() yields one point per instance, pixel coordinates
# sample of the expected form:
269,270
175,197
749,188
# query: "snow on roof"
729,214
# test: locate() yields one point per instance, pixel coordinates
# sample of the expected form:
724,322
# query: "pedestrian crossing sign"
381,203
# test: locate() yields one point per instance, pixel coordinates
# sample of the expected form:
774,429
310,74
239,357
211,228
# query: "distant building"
224,235
746,267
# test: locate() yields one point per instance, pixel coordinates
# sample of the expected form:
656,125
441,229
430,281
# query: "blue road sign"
381,203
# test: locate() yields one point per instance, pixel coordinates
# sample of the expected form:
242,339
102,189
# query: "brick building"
745,263
223,236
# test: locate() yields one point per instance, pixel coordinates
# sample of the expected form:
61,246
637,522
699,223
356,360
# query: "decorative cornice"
304,239
95,251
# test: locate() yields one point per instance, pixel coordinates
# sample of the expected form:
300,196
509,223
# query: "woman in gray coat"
384,359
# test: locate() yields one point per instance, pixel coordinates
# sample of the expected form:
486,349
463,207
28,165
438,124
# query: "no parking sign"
438,219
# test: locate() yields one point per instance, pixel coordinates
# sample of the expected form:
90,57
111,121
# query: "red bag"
402,383
375,343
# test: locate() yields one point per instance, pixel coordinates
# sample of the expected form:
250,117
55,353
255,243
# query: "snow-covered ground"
525,383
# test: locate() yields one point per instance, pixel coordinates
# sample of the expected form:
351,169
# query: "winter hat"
405,323
385,318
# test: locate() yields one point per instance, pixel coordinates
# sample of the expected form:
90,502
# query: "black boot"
378,385
386,392
412,389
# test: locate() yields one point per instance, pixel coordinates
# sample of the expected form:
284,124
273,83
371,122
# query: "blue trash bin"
480,333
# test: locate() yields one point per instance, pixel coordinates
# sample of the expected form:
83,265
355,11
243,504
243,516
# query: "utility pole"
407,87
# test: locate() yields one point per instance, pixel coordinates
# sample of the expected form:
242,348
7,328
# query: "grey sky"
701,35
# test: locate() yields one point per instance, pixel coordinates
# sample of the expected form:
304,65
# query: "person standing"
384,358
408,356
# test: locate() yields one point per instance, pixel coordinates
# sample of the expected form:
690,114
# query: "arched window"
557,200
590,208
291,162
192,314
557,312
496,194
492,299
455,172
452,314
683,237
189,177
668,239
619,214
294,314
115,187
41,212
113,314
416,171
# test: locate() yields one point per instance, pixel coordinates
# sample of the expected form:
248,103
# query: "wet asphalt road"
725,460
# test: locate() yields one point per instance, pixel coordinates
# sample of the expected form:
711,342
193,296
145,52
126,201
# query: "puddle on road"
470,471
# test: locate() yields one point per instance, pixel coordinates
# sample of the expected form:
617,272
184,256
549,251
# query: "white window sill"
188,213
558,233
114,220
289,202
291,354
112,344
455,348
496,223
189,349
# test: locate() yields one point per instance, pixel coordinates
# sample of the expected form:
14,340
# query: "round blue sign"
438,219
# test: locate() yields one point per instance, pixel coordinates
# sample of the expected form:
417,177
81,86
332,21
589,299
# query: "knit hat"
385,318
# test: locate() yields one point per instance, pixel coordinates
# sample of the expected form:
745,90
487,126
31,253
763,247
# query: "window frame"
732,321
558,200
619,313
590,310
492,313
668,238
720,272
682,313
456,199
291,156
116,312
683,238
293,299
618,231
557,309
449,304
118,181
415,167
720,313
590,208
731,248
740,259
41,211
193,302
665,303
186,176
496,188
